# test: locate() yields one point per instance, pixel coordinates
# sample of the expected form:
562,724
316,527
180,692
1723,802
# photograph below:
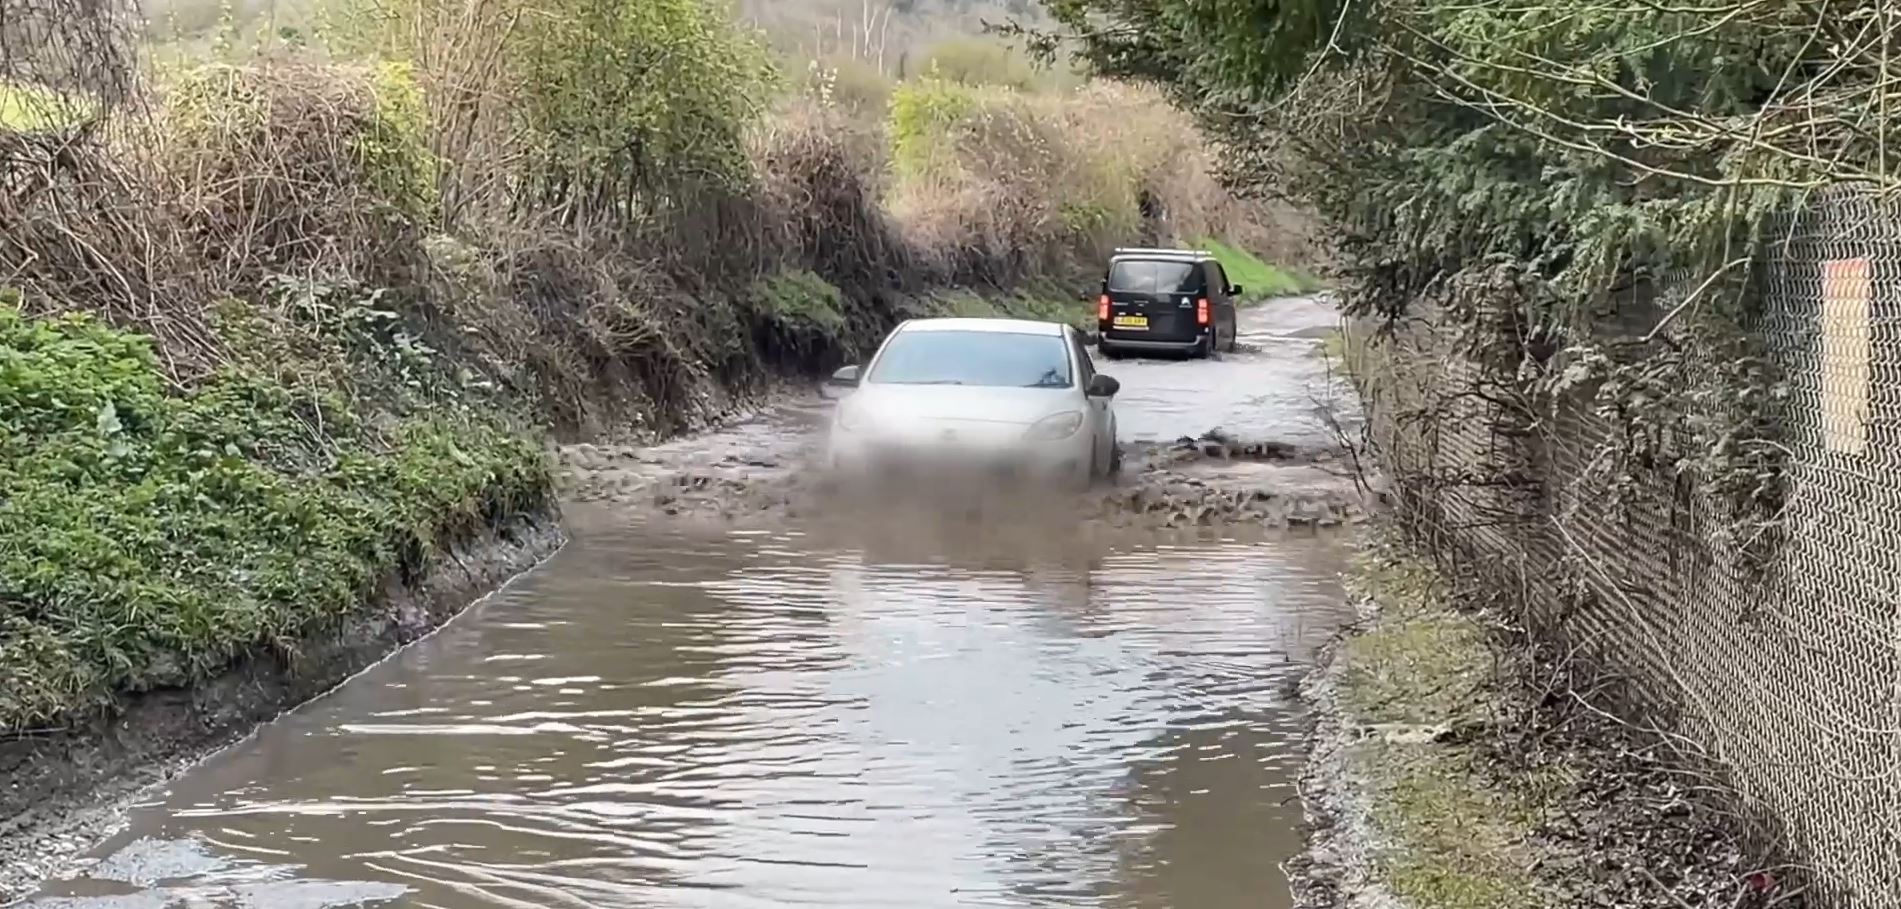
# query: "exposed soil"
67,789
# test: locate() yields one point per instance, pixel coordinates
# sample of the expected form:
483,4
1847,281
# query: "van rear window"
1154,276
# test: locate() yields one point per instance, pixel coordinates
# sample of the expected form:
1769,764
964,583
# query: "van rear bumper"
1107,341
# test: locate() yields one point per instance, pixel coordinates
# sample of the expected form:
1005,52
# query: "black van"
1165,300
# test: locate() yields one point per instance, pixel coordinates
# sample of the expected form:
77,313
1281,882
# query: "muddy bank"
767,471
67,789
1452,766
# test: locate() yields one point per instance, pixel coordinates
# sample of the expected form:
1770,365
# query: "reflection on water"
657,719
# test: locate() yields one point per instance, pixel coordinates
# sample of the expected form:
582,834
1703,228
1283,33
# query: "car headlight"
1057,426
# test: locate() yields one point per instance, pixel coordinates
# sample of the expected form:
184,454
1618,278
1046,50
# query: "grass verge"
1412,686
1042,302
1458,764
1258,278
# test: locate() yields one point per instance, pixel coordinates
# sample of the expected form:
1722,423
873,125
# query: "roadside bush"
976,61
296,165
1001,185
854,86
582,110
799,318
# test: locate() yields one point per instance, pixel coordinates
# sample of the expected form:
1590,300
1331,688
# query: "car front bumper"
916,462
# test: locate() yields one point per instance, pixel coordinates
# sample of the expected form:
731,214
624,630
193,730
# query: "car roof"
1001,326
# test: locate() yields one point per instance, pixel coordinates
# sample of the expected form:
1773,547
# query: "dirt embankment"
1454,766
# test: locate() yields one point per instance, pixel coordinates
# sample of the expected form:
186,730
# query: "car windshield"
1154,276
992,358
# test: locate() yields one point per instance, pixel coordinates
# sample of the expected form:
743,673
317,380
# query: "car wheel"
1115,459
1208,350
1088,479
1109,353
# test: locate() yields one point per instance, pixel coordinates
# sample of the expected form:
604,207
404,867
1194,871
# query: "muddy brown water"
900,713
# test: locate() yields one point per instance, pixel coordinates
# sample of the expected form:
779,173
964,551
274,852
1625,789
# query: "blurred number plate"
1141,322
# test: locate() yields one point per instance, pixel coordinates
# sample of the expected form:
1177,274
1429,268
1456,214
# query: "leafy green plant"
800,299
800,320
394,148
150,535
924,115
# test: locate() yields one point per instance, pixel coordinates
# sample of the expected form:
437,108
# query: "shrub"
924,117
800,300
294,167
855,86
801,320
976,61
394,146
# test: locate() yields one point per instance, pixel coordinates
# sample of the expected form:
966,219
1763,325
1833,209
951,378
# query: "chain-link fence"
1783,674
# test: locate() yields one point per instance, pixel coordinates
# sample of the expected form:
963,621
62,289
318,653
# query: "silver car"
1001,398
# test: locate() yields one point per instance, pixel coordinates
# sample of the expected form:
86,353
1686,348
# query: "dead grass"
1482,777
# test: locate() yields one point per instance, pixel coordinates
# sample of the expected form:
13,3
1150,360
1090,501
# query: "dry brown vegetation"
572,226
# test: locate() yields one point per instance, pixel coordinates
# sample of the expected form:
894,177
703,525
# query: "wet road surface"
1273,388
668,716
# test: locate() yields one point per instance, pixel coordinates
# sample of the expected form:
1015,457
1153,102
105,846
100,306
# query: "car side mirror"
845,377
1085,296
1103,387
1236,291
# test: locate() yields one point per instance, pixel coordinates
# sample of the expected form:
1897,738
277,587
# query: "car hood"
896,405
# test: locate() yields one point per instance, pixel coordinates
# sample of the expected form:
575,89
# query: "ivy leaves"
149,534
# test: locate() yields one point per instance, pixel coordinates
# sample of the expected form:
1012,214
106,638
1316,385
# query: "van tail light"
1201,312
1102,308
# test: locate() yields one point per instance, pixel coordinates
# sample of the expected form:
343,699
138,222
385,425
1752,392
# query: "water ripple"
665,720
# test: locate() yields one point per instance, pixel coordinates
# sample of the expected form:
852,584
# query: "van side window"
1217,279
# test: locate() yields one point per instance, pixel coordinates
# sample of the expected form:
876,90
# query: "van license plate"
1136,322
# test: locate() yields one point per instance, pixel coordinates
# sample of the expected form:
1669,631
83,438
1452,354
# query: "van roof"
1191,254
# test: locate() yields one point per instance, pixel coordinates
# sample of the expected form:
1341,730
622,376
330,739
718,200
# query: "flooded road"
1274,388
675,716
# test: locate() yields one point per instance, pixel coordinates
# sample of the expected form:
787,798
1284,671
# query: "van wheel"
1208,350
1108,353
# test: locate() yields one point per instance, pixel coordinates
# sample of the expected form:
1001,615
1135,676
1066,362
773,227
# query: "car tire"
1108,353
1208,350
1115,459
